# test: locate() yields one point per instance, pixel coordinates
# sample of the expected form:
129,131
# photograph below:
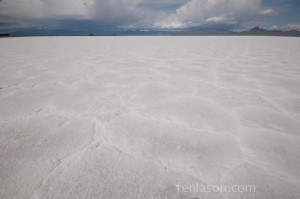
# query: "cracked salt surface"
131,117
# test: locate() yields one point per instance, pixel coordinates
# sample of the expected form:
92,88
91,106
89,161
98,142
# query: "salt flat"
133,117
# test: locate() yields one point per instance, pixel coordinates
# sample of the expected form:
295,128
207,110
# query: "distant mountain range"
256,31
263,32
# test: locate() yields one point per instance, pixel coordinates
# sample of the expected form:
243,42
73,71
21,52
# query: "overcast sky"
149,14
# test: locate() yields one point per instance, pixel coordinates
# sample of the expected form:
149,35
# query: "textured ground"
130,117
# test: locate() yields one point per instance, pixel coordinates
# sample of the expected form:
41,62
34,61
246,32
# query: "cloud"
268,13
287,27
131,13
293,27
89,9
116,12
222,20
104,12
218,11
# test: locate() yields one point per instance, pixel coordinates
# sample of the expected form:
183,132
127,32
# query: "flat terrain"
132,117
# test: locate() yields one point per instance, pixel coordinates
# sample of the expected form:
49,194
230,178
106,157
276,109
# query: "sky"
97,15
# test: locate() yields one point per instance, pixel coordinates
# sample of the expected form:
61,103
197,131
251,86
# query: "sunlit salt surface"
140,117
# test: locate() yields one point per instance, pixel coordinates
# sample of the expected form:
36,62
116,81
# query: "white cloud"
268,13
196,11
222,20
292,27
205,12
170,21
210,12
286,27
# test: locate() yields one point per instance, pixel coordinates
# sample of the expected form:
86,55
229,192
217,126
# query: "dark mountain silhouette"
262,32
